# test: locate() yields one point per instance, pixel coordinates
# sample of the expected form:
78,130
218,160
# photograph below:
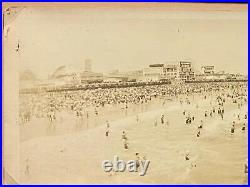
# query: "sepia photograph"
125,93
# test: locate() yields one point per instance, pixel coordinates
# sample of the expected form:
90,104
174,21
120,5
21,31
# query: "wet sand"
75,157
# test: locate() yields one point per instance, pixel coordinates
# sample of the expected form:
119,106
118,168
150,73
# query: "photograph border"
21,2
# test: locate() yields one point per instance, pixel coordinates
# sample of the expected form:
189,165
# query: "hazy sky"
130,38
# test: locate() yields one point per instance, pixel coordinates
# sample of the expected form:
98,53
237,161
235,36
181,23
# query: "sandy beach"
75,156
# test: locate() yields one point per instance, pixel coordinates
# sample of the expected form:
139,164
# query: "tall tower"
87,65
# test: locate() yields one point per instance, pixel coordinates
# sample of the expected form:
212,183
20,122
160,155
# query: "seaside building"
171,71
154,72
186,72
207,70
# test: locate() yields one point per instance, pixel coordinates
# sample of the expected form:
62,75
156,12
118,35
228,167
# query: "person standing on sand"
238,116
27,167
125,144
124,135
243,127
138,159
246,167
96,112
162,119
198,134
201,125
188,121
211,113
137,118
232,129
221,116
125,140
205,113
219,111
107,129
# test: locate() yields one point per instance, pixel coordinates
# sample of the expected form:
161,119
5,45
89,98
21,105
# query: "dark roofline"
156,65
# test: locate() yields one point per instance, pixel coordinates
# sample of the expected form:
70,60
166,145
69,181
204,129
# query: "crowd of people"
83,103
48,104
